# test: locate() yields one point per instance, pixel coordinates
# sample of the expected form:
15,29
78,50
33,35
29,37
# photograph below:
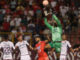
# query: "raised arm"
47,24
57,20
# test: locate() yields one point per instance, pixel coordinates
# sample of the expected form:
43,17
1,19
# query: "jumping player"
42,55
64,48
7,47
22,45
56,34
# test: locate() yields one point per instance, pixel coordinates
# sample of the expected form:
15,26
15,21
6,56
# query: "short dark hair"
37,37
64,34
5,36
18,35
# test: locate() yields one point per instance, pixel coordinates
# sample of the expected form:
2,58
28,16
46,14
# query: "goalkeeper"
56,34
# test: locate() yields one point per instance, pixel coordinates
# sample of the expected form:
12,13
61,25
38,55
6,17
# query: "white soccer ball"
45,2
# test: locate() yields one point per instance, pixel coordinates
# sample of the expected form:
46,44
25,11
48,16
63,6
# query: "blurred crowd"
27,15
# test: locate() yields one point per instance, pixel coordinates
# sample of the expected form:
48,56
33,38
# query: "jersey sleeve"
47,24
13,46
44,42
0,46
27,43
57,20
68,44
17,44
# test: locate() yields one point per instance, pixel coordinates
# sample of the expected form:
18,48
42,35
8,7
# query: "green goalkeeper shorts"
56,45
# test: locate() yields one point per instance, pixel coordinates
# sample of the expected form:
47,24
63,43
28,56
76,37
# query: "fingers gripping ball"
45,2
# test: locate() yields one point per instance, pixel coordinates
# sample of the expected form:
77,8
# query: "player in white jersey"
22,45
64,48
7,48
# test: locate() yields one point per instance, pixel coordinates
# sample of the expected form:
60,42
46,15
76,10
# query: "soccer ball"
45,2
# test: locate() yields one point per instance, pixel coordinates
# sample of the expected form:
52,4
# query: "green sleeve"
57,20
47,24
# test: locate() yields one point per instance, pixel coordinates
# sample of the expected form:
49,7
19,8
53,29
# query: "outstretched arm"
57,20
47,24
30,47
48,38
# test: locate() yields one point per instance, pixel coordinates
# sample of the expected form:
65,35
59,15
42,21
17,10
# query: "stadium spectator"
31,26
79,20
6,26
13,4
14,13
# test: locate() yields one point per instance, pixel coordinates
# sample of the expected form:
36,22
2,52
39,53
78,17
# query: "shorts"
63,57
7,57
56,45
25,57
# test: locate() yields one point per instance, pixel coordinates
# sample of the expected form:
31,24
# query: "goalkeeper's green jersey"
56,31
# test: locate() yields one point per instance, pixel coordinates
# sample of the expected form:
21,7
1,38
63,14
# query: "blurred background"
26,16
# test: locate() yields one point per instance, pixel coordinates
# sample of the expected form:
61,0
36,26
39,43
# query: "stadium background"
26,16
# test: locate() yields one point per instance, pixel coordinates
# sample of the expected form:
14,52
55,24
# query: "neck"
38,41
64,40
20,41
6,40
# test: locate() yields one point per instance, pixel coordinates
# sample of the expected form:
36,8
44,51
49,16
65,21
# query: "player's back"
7,47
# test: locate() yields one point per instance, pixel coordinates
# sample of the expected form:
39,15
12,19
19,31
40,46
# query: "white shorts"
7,57
25,57
63,57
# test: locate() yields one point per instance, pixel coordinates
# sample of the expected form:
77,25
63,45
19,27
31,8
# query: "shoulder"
67,41
42,41
25,41
10,42
36,45
1,43
17,44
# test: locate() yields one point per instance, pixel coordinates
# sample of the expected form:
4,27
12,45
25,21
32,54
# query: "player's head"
76,47
54,23
64,37
19,37
37,38
5,37
79,47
